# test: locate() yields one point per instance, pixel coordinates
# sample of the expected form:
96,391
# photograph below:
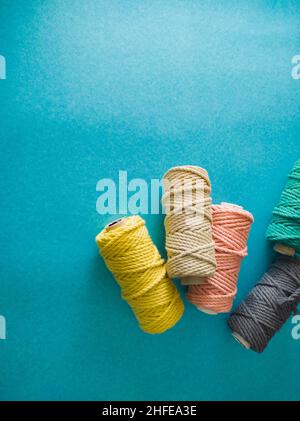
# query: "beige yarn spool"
189,244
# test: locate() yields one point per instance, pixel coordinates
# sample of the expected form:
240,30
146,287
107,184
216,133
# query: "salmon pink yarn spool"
231,226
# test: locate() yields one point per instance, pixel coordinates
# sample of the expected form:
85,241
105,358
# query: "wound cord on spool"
268,305
189,243
231,226
284,228
137,266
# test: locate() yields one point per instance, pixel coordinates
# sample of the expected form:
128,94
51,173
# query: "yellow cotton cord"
137,266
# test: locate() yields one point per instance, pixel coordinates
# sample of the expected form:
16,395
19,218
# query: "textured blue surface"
94,87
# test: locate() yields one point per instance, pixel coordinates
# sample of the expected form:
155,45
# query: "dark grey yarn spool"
268,305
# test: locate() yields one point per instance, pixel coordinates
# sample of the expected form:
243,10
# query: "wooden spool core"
114,224
206,311
285,250
232,205
241,340
192,280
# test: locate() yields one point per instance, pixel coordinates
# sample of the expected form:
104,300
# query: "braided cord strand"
138,268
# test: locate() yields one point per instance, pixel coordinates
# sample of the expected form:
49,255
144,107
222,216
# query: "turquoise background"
94,87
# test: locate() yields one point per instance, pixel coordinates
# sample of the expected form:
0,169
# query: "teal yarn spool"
284,228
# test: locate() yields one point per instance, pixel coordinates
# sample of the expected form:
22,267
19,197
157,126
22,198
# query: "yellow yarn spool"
137,266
